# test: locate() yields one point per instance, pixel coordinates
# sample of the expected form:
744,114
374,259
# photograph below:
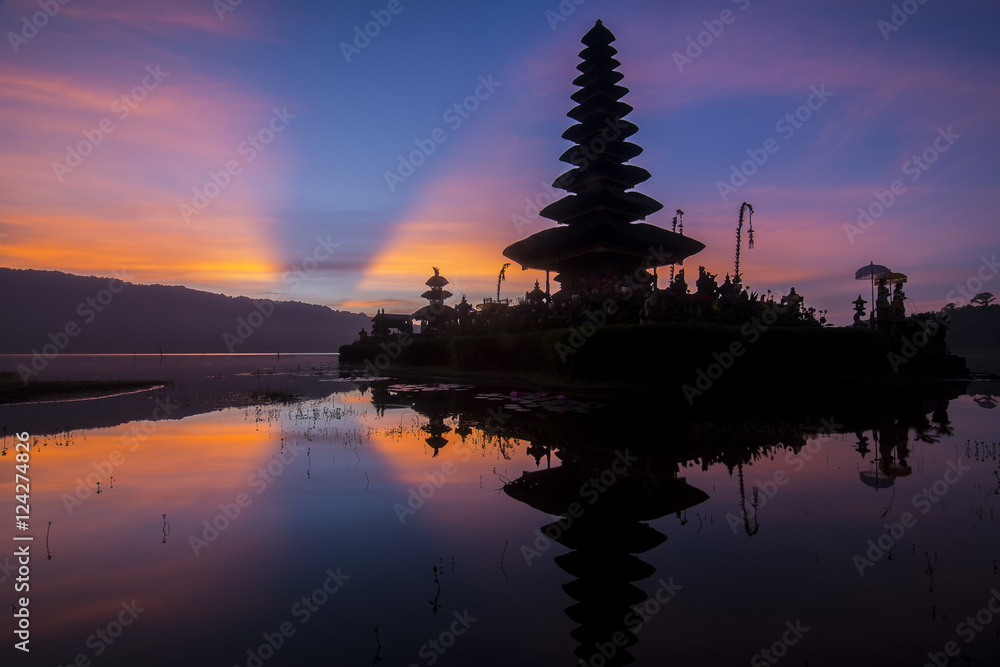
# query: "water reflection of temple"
573,443
604,500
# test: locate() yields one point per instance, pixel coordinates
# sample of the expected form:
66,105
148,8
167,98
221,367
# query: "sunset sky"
113,114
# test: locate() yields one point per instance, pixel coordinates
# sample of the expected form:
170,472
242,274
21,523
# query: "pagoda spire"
599,181
435,314
599,240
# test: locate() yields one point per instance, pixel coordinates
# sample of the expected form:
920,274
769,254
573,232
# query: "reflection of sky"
335,508
799,564
324,175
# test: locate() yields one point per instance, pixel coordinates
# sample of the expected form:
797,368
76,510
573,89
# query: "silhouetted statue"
898,307
679,286
882,308
728,292
859,312
706,285
793,300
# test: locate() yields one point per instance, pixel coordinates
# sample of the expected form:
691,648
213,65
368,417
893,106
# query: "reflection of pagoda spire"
862,446
464,429
537,450
597,238
604,538
436,428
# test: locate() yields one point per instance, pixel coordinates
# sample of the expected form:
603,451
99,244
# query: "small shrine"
435,314
536,296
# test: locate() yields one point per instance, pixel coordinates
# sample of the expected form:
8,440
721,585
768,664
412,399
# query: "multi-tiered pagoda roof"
598,237
435,313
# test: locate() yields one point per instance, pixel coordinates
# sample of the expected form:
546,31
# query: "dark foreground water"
262,511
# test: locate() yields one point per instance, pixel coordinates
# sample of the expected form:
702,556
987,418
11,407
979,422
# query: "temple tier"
599,238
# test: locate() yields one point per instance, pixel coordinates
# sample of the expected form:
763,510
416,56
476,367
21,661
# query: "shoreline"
15,392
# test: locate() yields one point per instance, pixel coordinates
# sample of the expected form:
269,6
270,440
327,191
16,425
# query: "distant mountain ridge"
88,315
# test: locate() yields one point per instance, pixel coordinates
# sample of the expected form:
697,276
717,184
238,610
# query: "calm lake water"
265,511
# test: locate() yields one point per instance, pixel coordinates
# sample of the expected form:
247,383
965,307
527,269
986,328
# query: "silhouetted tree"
983,299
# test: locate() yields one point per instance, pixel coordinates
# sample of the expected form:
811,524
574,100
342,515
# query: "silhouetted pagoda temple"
597,237
435,313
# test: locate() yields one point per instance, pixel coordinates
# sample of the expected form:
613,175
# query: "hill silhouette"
106,315
974,328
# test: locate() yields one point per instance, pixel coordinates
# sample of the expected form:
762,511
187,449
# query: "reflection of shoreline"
59,388
196,383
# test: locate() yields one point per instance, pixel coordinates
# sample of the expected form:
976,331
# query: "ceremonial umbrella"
872,271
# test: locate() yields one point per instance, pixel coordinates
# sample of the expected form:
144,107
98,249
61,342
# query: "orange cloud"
119,205
461,224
